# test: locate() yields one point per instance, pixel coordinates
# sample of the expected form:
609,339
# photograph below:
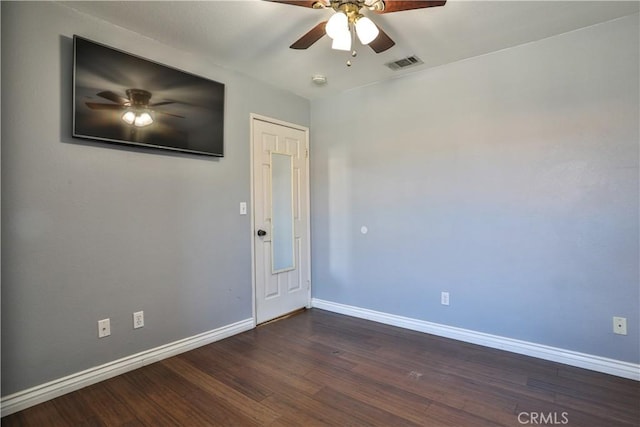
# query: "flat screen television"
125,99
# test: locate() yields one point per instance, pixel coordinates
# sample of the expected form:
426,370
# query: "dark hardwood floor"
321,368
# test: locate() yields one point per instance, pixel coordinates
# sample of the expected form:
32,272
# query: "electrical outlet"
620,325
138,319
104,328
444,298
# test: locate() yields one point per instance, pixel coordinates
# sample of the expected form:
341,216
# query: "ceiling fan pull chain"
354,53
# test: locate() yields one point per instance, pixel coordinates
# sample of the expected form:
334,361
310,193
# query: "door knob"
262,233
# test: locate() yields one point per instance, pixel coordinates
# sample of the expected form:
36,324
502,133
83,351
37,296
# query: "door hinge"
306,153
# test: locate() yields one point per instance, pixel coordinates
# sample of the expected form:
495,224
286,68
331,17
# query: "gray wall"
92,230
509,180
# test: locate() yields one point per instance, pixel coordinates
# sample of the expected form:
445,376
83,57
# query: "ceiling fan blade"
98,106
162,103
303,3
400,5
112,96
382,42
311,37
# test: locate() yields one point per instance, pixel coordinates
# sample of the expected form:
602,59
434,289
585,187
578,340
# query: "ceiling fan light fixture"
138,119
342,41
337,24
129,117
143,119
366,30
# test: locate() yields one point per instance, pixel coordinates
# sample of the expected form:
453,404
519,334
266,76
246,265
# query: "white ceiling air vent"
400,64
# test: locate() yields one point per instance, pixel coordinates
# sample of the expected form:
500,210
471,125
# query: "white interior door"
282,273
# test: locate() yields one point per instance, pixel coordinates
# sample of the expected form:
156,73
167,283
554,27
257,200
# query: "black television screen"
125,99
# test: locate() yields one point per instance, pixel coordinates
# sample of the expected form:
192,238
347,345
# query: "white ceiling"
253,36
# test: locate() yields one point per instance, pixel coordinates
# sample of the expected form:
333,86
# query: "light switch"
243,208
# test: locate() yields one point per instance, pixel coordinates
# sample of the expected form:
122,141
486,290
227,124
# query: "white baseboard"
568,357
52,389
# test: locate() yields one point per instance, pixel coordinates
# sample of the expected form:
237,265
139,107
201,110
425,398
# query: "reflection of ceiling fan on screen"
347,22
136,107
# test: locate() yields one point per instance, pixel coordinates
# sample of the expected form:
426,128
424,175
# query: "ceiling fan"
347,21
137,110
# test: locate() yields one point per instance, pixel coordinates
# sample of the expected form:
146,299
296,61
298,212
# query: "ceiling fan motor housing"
375,5
138,97
351,7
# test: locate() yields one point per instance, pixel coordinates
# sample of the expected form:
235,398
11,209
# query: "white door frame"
252,117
